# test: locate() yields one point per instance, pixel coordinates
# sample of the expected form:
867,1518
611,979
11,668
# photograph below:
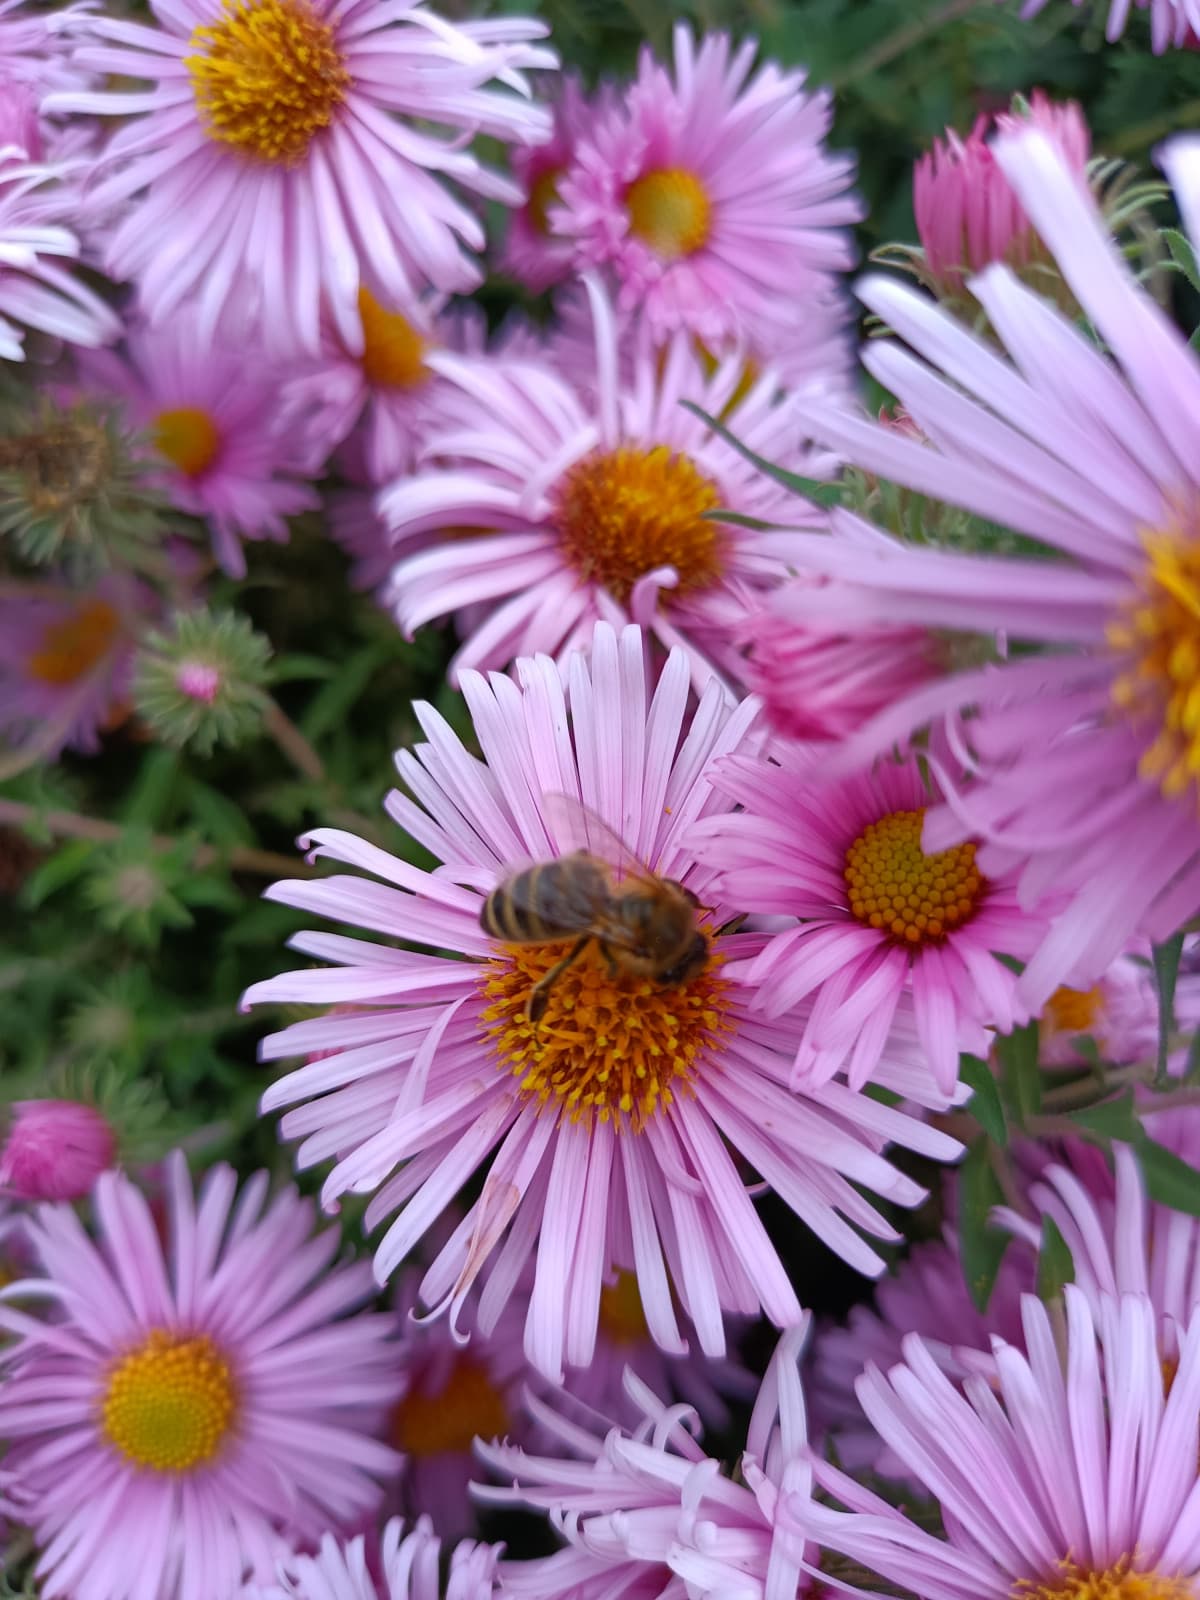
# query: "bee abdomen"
506,912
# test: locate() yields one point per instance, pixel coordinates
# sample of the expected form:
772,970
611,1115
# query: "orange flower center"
914,898
445,1421
670,210
1119,1582
393,351
626,512
69,649
622,1317
543,193
267,77
1074,1011
170,1403
188,438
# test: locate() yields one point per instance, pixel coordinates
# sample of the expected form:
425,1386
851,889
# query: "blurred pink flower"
532,253
54,1150
408,1568
1172,22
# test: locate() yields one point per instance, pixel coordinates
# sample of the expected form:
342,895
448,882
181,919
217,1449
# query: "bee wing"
575,826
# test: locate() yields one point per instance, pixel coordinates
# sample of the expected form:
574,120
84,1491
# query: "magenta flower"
407,1569
967,212
590,497
1061,1478
533,254
194,1402
282,158
606,1130
708,193
54,1150
882,925
1084,753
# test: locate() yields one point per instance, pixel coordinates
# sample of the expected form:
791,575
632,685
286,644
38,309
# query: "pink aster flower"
967,212
1065,1477
231,447
1172,22
408,1568
54,1150
593,498
606,1129
193,1401
708,192
532,253
1083,752
1119,1013
37,246
282,155
881,924
66,664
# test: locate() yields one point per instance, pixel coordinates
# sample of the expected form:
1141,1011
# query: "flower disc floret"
72,646
188,437
447,1420
894,886
267,77
608,1045
393,349
1115,1583
170,1403
670,210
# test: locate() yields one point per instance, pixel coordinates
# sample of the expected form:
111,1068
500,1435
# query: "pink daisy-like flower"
881,923
1061,1478
1172,22
532,254
408,1568
66,664
231,448
282,156
659,1513
593,499
966,210
54,1150
606,1129
37,289
1119,1013
709,194
1083,754
191,1402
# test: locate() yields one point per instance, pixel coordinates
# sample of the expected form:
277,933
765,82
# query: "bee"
641,924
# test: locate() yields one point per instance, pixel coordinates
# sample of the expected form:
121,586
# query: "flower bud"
199,681
55,1150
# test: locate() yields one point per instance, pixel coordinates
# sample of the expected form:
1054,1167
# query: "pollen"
670,210
170,1403
1119,1582
622,1316
70,648
1074,1011
623,513
914,898
267,77
1159,639
608,1045
393,351
189,439
443,1417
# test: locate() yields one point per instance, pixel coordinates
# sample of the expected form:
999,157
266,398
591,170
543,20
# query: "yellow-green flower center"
170,1403
894,886
70,648
670,210
267,77
188,437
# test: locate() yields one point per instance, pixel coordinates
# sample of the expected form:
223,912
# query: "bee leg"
610,961
535,1006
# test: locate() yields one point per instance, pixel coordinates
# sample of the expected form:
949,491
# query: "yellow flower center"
188,438
543,193
1160,637
169,1403
609,1045
622,514
1119,1582
750,374
1074,1011
670,210
914,898
445,1421
622,1317
267,77
69,649
393,351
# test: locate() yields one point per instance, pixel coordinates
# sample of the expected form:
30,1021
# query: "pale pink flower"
1082,755
881,925
533,254
54,1150
66,664
283,154
709,194
1065,1475
605,1130
967,212
591,500
1119,1013
408,1568
193,1401
1172,22
228,445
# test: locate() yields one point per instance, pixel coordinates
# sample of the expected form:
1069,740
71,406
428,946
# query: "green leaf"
1056,1266
63,867
1112,1119
290,668
1182,255
982,1246
986,1106
1018,1053
331,704
822,494
150,796
1171,1181
1192,1074
220,819
1166,974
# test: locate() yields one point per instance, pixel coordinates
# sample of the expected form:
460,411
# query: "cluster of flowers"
916,797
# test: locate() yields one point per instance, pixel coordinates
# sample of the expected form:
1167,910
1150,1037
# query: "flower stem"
293,743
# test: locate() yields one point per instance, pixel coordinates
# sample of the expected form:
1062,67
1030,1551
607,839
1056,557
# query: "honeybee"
641,924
